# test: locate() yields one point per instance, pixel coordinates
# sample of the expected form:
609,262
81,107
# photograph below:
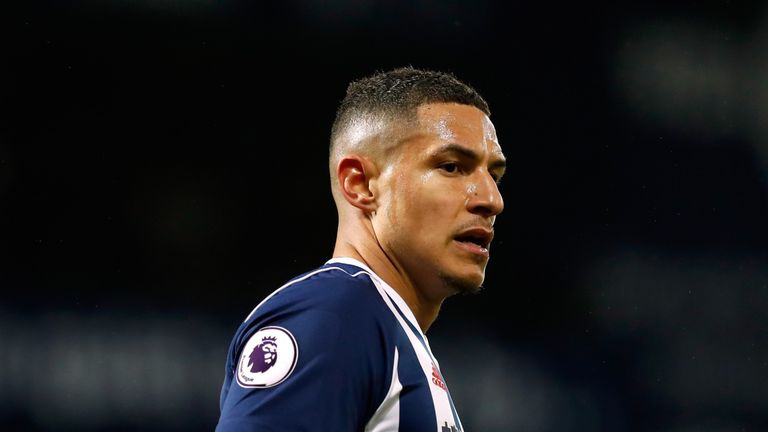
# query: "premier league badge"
267,359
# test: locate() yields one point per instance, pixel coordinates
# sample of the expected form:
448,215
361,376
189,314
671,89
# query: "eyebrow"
470,154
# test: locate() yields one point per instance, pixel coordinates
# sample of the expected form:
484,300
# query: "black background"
168,159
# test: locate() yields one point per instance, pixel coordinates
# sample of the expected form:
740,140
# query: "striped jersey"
335,349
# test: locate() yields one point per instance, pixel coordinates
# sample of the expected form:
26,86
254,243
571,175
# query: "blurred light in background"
682,77
698,80
498,388
72,372
698,325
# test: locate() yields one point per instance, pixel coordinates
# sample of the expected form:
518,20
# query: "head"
415,164
263,356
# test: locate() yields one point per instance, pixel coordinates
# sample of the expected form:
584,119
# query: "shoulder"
334,289
331,317
326,332
331,302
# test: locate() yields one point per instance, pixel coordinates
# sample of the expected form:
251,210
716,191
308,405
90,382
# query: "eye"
497,173
450,167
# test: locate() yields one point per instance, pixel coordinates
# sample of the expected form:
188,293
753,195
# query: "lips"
478,237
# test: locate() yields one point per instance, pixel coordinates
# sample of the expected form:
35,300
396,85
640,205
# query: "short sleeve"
308,365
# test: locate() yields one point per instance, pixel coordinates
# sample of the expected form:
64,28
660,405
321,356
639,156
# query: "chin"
465,284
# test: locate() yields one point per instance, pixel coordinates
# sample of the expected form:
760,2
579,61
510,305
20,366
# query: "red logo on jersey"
437,379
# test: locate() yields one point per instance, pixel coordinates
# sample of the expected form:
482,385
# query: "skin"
401,210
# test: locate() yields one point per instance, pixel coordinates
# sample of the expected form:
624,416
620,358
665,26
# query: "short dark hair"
399,92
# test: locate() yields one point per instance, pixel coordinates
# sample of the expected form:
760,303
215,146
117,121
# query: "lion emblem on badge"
259,365
264,355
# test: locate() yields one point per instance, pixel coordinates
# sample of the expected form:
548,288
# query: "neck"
424,309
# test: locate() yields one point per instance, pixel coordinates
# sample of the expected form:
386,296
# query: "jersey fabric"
335,349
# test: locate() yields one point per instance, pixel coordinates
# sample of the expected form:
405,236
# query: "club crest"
267,359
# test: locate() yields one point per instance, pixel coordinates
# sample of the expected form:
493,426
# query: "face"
439,197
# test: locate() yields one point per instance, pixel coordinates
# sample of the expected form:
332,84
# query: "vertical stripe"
387,416
408,323
425,359
432,357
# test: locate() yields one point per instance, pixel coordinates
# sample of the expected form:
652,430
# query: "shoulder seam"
306,276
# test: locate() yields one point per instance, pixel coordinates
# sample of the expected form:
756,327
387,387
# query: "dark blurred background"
163,168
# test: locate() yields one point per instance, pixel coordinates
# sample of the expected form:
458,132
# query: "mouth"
475,240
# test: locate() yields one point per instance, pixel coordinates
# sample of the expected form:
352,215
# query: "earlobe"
355,175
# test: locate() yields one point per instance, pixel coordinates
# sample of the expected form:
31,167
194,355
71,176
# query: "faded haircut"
396,94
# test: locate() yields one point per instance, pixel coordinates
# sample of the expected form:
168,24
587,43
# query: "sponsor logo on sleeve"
267,359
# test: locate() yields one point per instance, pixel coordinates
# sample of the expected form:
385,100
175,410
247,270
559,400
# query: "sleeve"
307,368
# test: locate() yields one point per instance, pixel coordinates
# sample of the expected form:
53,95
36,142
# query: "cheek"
431,201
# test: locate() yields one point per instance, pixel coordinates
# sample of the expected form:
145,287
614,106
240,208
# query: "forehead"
443,123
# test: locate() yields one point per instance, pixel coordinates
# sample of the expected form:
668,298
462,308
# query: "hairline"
408,117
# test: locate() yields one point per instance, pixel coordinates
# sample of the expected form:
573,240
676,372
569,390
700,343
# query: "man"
415,165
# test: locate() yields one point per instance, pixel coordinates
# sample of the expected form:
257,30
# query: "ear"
355,174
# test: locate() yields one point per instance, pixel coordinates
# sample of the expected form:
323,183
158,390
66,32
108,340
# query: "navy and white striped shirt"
335,349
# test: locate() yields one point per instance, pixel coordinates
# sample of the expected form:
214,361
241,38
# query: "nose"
484,196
